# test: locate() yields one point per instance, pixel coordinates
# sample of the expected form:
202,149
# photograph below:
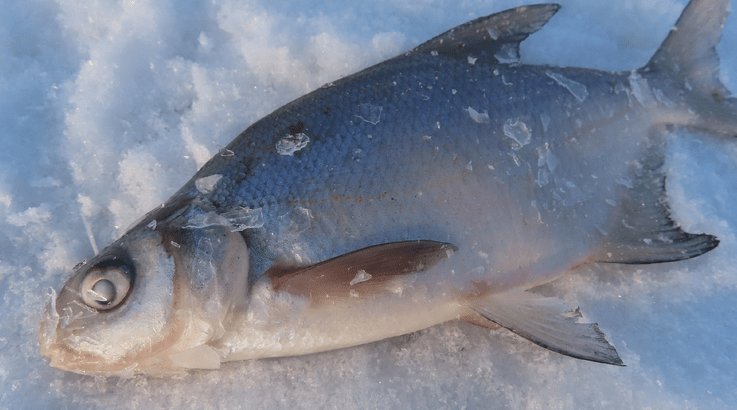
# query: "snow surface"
107,107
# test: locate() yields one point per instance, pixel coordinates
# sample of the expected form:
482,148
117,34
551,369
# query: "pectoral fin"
361,273
546,322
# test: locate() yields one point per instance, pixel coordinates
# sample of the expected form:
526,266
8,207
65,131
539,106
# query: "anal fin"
546,322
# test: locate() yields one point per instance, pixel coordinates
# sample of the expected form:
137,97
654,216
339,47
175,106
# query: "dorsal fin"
361,273
645,232
495,36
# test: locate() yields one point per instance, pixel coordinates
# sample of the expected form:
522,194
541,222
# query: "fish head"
150,303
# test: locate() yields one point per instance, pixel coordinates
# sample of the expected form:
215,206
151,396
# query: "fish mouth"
63,356
55,346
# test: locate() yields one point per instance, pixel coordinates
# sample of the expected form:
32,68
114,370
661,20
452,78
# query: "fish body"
441,184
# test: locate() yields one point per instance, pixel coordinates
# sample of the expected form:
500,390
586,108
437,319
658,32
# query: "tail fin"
689,55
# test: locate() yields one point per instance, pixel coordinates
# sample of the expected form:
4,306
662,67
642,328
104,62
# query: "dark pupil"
103,291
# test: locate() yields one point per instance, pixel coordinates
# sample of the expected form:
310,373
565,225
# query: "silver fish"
442,184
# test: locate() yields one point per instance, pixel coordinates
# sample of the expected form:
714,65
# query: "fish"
446,183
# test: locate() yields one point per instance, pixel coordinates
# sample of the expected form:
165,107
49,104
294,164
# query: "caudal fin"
689,55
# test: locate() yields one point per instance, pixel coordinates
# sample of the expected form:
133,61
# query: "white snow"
107,107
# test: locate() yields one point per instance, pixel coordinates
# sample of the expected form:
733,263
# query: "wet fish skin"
485,178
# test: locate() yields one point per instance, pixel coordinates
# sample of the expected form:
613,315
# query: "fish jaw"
83,339
185,283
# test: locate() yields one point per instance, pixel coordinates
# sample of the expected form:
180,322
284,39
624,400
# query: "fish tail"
689,56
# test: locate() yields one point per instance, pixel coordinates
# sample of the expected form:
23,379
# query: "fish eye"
107,284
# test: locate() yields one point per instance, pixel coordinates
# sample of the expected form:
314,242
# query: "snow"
107,107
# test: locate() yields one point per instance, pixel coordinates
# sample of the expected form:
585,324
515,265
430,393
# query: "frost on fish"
660,96
361,276
508,54
626,182
296,221
543,177
515,158
237,219
481,118
620,88
493,33
292,143
567,193
641,90
206,184
369,113
517,130
545,120
546,157
577,89
49,321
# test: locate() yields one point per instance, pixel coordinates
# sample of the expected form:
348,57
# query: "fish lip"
60,354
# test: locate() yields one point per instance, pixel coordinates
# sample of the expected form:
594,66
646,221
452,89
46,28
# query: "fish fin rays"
547,322
496,36
689,56
645,232
361,273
